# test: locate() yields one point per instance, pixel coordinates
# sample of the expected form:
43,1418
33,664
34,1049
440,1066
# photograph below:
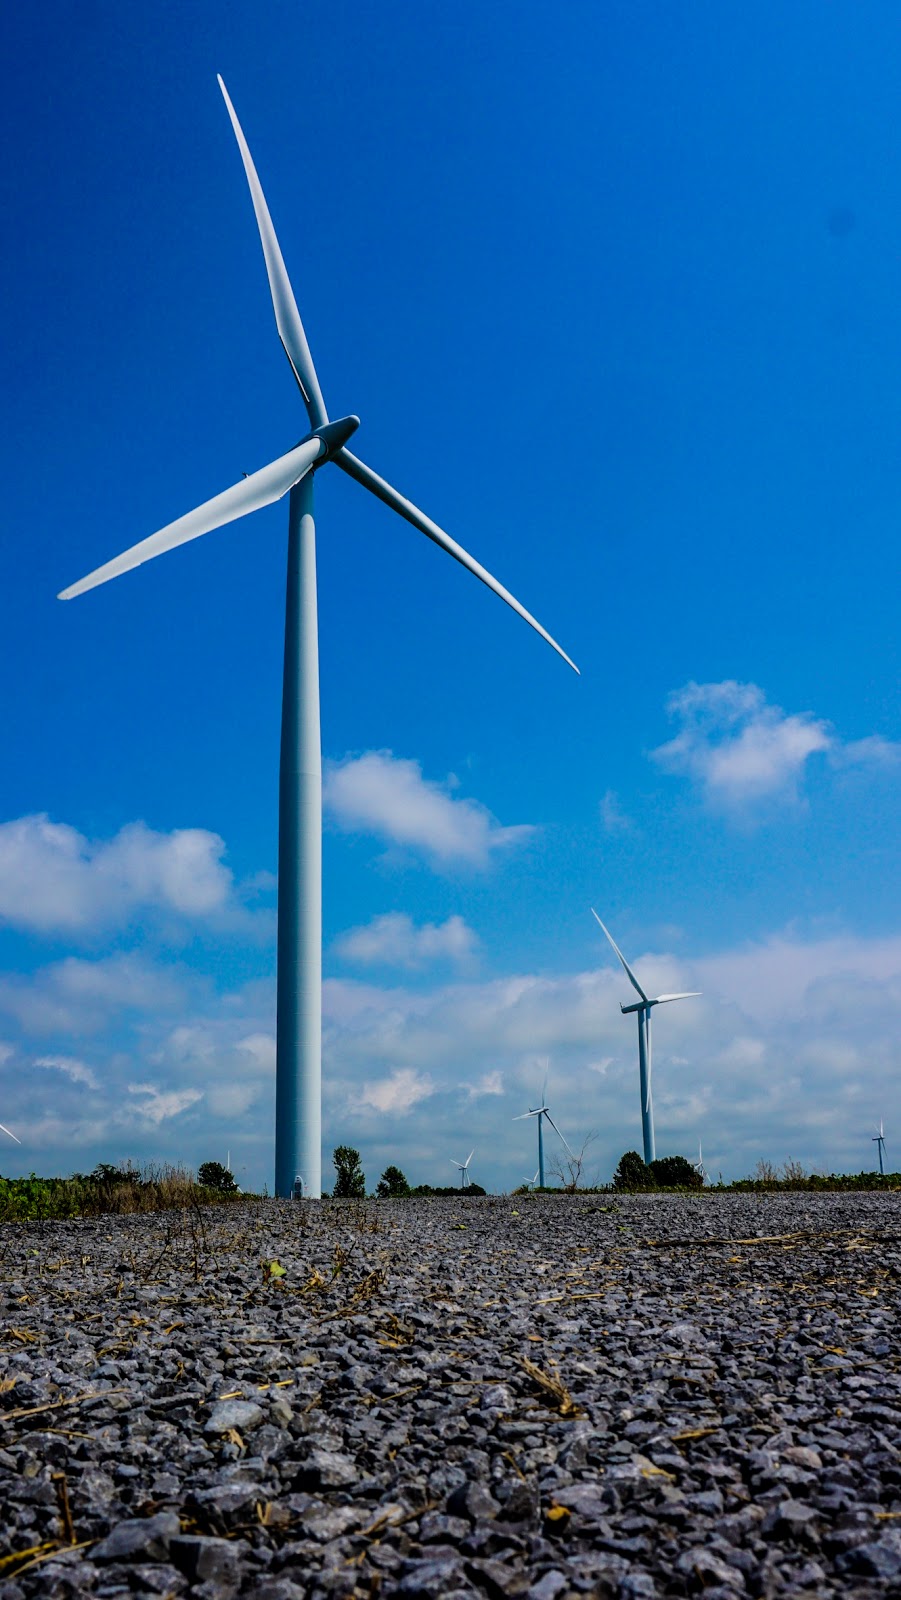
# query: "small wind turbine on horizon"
699,1165
541,1112
298,1092
879,1141
643,1008
463,1169
531,1182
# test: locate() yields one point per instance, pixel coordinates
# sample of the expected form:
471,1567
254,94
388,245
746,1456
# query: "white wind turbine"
298,1094
463,1169
700,1169
879,1141
530,1182
642,1008
541,1112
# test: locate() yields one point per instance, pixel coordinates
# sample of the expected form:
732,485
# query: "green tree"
350,1183
632,1173
392,1185
213,1175
674,1172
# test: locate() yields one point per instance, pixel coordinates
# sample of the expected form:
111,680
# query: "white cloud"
738,747
613,818
742,750
382,794
873,752
160,1105
490,1083
71,1068
399,1092
53,879
76,997
393,939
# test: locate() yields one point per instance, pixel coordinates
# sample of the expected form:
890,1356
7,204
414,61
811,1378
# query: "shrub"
454,1192
674,1172
213,1175
632,1173
392,1185
350,1183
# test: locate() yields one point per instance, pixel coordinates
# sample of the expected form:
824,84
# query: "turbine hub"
333,435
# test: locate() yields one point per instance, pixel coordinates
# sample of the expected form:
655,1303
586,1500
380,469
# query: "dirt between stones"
530,1396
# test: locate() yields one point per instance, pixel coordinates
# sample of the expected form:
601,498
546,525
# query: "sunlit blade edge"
251,494
391,497
10,1132
287,317
629,973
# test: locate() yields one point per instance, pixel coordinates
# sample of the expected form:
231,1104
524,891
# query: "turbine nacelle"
333,436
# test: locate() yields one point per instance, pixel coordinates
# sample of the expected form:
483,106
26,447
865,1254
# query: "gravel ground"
621,1397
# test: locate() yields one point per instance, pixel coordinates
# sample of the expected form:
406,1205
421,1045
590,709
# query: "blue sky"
617,302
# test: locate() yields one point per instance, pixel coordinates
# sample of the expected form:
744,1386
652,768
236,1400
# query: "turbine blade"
260,489
10,1132
629,973
662,998
287,316
557,1132
470,1156
405,508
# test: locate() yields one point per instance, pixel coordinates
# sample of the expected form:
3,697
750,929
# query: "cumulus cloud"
160,1105
71,1068
393,939
385,795
76,997
613,818
741,750
490,1083
399,1092
55,880
736,746
773,1061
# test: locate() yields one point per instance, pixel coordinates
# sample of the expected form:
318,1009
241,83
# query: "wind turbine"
298,1092
463,1169
879,1141
530,1182
699,1165
642,1008
541,1112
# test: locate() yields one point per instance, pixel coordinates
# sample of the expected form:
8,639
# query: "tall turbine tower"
879,1141
298,1092
642,1008
463,1169
541,1112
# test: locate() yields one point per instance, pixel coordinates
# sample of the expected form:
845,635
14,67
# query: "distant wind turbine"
879,1141
531,1182
298,1086
9,1131
541,1112
699,1165
463,1169
642,1008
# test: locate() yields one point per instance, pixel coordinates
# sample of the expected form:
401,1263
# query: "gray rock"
205,1560
242,1415
139,1539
